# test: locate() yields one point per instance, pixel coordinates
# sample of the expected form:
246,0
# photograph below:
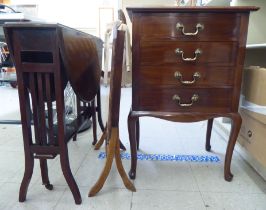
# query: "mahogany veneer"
187,67
46,57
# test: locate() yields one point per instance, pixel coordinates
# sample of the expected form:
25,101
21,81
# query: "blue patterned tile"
165,157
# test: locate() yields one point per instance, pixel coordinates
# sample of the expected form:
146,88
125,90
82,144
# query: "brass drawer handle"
199,26
179,76
181,52
177,98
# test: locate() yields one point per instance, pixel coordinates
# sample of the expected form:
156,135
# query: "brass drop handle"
181,52
177,98
179,76
199,27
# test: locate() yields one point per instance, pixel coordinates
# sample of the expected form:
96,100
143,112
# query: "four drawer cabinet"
187,67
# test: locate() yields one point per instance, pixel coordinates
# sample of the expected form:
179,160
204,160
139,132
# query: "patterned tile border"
163,157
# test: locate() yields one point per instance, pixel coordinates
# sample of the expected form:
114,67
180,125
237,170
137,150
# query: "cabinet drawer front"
154,98
215,26
186,76
211,53
252,135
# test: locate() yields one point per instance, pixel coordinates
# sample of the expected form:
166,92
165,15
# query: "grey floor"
160,184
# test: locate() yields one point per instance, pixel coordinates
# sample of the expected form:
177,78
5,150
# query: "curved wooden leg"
113,152
128,184
68,175
94,125
78,119
131,120
99,110
236,124
137,133
208,135
29,164
44,174
108,164
100,142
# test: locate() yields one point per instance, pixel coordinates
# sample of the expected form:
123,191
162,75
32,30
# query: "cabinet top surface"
196,9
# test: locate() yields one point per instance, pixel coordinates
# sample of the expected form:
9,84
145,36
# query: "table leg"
128,184
137,133
100,142
208,135
132,131
236,124
113,151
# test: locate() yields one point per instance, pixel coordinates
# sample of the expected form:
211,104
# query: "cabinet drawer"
156,98
174,52
252,137
215,26
188,76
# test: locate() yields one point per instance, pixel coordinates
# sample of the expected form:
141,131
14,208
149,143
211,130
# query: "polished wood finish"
111,132
179,52
213,53
82,64
210,100
161,26
46,56
81,61
206,9
165,75
122,18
